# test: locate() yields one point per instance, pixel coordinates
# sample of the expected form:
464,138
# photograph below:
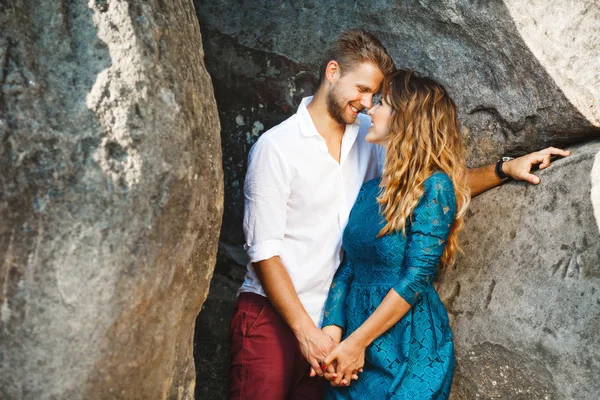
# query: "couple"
392,191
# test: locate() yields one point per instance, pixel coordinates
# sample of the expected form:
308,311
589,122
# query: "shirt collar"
307,126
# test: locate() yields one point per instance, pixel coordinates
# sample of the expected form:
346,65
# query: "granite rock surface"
110,198
524,298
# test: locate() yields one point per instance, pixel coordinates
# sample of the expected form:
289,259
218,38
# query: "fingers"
330,358
555,152
330,373
339,378
345,376
545,162
315,367
330,376
346,379
531,179
331,369
342,378
520,168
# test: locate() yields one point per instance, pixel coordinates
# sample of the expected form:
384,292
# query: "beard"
336,107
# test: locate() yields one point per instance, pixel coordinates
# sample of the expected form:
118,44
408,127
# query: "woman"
382,301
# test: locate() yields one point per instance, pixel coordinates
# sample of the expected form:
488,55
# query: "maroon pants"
266,362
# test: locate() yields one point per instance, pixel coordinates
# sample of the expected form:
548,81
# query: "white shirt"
298,199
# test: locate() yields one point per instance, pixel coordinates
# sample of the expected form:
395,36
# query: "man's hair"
354,47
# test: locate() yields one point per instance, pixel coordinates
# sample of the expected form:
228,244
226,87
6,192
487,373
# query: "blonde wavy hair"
424,137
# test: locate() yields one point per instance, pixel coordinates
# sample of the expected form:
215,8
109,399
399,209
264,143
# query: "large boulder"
110,198
524,298
524,74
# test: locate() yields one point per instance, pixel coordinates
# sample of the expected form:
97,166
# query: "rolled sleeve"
426,237
264,250
266,192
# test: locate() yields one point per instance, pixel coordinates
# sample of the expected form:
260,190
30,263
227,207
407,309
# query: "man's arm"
485,178
314,343
266,191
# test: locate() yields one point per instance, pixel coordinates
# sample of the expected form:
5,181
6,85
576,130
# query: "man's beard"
337,107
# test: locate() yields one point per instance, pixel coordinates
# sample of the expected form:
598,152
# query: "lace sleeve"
432,220
334,313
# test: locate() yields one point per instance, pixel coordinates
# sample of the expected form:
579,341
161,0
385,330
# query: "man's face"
353,91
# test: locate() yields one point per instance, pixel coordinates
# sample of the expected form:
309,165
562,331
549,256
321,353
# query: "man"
303,178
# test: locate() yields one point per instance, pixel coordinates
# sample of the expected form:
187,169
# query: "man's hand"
315,345
520,168
335,332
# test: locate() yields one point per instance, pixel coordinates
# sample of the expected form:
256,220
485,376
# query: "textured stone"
524,298
110,198
595,191
523,74
491,371
563,37
255,90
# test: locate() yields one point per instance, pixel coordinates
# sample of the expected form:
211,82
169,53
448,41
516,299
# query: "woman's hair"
424,137
353,47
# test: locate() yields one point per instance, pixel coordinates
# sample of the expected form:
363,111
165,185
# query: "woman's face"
381,115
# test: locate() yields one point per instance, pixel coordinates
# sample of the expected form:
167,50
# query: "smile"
354,109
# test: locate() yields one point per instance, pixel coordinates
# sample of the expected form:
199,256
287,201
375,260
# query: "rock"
521,79
110,198
595,192
493,58
524,297
255,90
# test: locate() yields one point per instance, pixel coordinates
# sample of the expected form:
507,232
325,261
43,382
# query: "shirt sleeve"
266,192
334,311
432,221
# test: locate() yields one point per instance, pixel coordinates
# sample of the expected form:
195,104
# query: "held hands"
335,332
345,361
520,168
348,358
315,345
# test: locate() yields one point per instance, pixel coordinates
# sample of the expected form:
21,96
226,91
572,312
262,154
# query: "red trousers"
266,362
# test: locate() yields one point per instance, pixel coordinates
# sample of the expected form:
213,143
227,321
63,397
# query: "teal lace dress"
415,358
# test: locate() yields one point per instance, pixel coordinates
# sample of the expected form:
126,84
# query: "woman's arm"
334,313
334,316
426,239
389,312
